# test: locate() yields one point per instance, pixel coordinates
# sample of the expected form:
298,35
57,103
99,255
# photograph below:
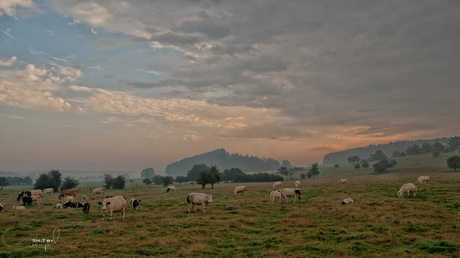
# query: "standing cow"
276,195
72,192
277,184
117,204
407,188
240,189
97,191
342,181
291,192
198,199
171,189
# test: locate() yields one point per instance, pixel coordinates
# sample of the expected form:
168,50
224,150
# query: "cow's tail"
188,198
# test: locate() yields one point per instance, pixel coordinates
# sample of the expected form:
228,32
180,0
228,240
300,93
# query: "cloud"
12,7
8,62
8,33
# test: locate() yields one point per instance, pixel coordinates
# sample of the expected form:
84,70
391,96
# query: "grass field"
377,224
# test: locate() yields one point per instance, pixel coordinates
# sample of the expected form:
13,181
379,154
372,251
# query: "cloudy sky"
125,85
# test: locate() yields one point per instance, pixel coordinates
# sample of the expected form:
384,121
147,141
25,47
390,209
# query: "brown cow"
73,192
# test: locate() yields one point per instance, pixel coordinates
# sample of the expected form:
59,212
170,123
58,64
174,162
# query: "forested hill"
223,160
341,157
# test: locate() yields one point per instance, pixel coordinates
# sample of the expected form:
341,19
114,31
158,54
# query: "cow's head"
209,199
400,193
297,193
104,205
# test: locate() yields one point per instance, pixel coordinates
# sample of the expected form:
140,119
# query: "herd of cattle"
112,204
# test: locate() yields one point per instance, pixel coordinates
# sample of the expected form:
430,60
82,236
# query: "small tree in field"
284,171
3,182
108,180
119,182
167,180
454,162
314,171
69,183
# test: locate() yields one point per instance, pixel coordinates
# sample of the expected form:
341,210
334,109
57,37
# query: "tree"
167,180
3,182
108,180
381,166
204,178
314,171
302,176
438,147
357,165
353,159
396,154
69,183
234,175
158,180
215,175
55,178
119,182
436,154
193,173
364,163
181,179
43,181
147,173
413,150
147,181
454,162
379,155
426,148
286,163
454,143
283,171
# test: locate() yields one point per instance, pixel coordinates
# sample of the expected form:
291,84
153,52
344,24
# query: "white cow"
291,192
276,195
68,198
171,189
297,184
342,181
407,188
198,199
116,203
421,180
134,203
240,189
48,190
18,208
97,191
36,199
277,184
347,201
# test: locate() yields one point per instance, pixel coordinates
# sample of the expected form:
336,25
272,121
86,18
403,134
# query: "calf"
36,199
407,188
421,180
198,199
277,195
134,203
240,189
291,192
97,191
342,181
277,184
117,204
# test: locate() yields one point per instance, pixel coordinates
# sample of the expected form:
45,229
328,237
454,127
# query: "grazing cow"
109,205
59,206
2,206
27,200
291,192
171,189
277,184
347,201
48,190
24,193
342,181
18,208
276,195
240,189
97,191
68,198
198,199
36,199
297,184
407,188
36,192
421,180
134,203
73,192
86,207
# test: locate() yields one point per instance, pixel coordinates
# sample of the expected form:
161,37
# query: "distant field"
377,224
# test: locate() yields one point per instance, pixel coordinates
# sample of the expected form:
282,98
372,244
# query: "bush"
69,183
119,182
108,179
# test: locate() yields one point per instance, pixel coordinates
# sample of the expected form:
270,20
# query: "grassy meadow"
377,224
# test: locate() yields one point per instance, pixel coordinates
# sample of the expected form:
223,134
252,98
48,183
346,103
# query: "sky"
127,85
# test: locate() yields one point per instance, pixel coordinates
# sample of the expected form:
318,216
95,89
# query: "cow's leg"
204,208
189,207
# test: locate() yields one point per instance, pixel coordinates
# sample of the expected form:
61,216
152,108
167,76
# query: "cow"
347,201
68,198
342,181
18,208
2,206
109,205
84,198
64,193
36,199
171,189
407,188
276,195
36,192
86,207
134,203
198,199
297,184
27,200
48,190
277,184
291,192
421,180
24,193
240,189
73,205
97,191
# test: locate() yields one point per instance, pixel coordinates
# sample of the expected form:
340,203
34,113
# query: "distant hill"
341,157
223,160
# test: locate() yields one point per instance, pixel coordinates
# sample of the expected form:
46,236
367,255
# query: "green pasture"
378,224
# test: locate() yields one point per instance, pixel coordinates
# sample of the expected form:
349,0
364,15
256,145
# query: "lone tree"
208,176
284,171
147,173
108,180
167,180
381,166
379,155
314,171
3,182
454,162
353,159
119,182
69,183
193,173
51,180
